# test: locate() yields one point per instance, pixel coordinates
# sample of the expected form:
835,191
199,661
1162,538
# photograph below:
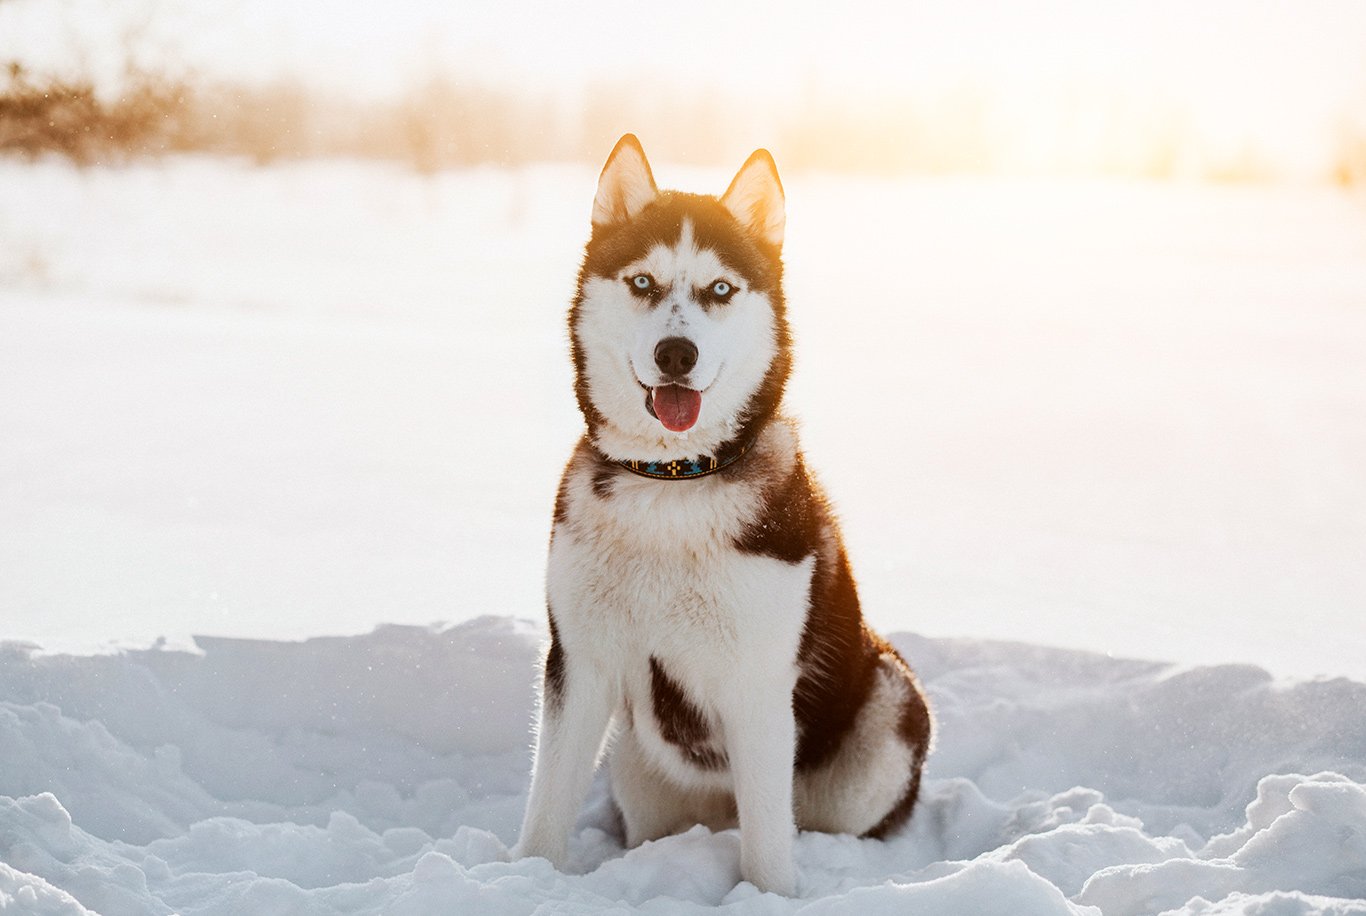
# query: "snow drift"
386,773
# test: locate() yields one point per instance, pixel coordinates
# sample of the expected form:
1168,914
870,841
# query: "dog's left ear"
756,199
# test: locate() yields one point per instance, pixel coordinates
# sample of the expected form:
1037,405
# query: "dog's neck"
690,468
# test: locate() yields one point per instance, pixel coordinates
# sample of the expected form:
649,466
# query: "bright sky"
1279,76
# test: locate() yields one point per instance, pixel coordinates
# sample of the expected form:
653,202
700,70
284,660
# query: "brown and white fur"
706,630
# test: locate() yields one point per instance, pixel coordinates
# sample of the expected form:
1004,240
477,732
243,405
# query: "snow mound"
386,773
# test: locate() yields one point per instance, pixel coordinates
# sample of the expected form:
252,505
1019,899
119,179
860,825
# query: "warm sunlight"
1224,90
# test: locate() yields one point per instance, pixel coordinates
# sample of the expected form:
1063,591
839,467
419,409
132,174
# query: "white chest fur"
652,570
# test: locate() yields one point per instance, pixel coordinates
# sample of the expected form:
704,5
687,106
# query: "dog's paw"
774,876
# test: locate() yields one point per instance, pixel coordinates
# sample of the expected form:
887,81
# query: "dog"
704,622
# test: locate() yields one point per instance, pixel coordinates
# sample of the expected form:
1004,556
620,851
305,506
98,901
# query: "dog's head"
680,339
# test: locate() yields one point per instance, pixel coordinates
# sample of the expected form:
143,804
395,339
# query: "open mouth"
674,406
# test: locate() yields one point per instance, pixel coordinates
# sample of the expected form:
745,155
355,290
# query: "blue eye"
720,288
642,282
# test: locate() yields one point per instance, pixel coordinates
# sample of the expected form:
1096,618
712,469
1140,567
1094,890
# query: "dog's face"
679,334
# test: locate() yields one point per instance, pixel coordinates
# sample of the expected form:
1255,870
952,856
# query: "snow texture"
387,773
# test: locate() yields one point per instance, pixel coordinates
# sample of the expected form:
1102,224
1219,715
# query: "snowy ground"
385,773
273,404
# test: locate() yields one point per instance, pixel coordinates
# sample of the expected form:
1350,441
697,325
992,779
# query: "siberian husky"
704,623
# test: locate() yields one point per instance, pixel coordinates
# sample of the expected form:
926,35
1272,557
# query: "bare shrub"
68,117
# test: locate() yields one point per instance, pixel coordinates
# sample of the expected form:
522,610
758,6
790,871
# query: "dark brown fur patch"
554,667
788,528
915,723
838,658
603,475
562,500
680,722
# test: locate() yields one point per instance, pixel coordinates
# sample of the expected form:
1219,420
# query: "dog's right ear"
626,185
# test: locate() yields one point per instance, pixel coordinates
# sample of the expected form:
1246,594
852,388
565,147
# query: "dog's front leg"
575,710
761,742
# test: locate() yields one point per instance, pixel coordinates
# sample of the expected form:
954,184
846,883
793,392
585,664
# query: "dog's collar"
689,468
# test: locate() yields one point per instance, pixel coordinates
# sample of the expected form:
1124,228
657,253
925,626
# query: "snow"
262,428
387,773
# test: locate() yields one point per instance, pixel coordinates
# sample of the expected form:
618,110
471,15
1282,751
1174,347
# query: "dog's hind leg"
652,805
869,786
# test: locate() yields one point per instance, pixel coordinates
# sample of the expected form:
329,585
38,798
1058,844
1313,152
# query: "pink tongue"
677,407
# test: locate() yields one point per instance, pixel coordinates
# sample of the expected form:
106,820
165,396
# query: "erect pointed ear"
756,199
626,185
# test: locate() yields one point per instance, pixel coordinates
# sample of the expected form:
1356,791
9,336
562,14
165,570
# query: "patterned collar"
688,468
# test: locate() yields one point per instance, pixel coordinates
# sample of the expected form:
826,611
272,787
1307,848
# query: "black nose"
675,356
